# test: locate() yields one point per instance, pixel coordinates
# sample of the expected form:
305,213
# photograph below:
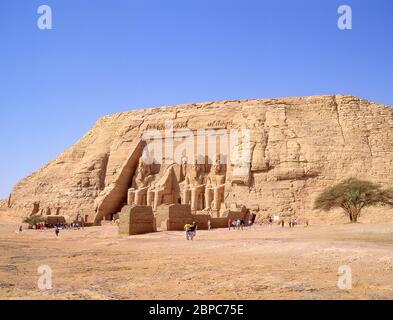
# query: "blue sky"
105,56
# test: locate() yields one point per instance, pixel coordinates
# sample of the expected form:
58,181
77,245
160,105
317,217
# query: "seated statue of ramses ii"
153,189
193,187
215,187
141,182
165,189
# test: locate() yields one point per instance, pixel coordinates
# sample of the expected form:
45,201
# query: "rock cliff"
299,146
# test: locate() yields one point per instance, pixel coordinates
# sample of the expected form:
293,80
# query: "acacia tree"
34,220
353,195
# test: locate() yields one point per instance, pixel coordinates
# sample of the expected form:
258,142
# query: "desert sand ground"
261,263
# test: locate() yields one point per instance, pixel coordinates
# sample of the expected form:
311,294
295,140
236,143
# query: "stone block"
136,220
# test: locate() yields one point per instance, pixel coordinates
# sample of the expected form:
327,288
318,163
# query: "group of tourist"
238,224
66,226
40,226
57,227
292,222
62,226
69,226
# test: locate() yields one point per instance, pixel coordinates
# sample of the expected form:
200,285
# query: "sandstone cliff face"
299,146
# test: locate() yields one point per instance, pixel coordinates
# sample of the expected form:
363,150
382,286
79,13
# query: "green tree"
353,195
34,220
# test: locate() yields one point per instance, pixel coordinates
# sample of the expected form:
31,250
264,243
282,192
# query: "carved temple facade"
200,182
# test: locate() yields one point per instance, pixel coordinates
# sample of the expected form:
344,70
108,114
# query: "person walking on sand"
187,229
270,222
193,230
282,223
209,225
57,231
229,224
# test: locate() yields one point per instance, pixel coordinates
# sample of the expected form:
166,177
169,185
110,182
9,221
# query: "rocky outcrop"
298,147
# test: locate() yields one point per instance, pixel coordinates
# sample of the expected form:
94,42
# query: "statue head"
195,167
216,168
144,169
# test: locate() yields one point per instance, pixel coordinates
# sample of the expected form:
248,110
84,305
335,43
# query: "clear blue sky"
105,56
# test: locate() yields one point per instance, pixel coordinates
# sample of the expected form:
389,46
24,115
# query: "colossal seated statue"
165,189
138,193
153,189
215,187
193,187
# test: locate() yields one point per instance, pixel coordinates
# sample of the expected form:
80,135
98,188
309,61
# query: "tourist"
270,222
209,225
187,229
242,224
57,231
193,230
20,229
238,224
229,224
282,223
